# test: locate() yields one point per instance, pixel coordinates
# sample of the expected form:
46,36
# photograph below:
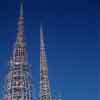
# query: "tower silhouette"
18,82
45,92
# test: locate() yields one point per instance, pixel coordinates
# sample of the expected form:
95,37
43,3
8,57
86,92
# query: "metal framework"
45,93
18,82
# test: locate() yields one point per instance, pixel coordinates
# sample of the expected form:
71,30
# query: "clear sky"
72,33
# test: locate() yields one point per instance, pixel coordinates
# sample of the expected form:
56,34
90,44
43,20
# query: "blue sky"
72,36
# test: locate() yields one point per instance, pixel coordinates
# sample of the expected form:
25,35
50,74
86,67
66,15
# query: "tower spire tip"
41,28
21,7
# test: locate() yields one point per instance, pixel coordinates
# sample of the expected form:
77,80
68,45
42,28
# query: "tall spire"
43,59
20,41
45,93
41,37
20,31
18,81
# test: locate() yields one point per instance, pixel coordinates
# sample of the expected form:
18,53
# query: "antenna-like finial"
41,37
20,34
21,7
41,28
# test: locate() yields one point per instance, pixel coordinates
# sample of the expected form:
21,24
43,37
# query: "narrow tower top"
20,33
45,92
41,37
21,8
41,28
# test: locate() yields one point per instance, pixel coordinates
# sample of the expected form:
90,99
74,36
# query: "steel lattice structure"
45,92
18,82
